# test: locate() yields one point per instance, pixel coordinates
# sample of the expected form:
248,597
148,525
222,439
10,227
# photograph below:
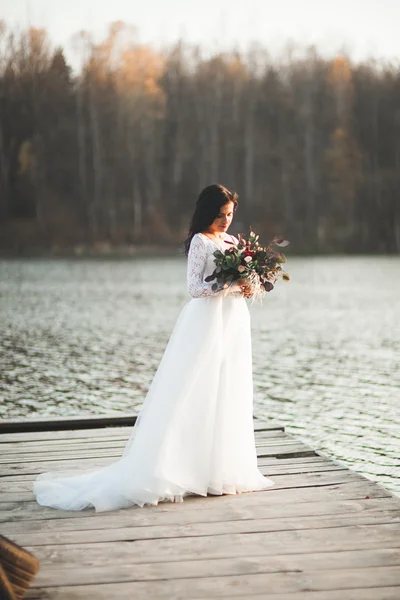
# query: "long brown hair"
208,206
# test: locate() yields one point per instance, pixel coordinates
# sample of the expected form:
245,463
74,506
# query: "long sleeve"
197,287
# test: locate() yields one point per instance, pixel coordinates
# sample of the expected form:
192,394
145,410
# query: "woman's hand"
245,288
247,291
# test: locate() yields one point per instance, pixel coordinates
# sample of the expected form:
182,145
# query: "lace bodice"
201,264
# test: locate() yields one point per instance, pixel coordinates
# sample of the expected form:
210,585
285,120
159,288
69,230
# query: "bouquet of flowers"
248,263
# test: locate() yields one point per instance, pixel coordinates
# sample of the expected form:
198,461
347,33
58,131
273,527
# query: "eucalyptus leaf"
210,277
268,286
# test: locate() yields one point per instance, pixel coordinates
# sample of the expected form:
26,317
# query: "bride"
194,433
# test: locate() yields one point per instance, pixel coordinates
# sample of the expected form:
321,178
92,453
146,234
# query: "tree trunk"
96,164
82,160
4,178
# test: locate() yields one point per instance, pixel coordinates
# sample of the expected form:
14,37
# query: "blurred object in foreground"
17,569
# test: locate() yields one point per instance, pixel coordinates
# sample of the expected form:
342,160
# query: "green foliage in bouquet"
249,263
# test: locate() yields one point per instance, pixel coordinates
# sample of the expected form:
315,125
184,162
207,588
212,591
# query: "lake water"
84,336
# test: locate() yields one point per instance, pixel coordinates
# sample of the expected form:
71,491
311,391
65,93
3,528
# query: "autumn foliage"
115,152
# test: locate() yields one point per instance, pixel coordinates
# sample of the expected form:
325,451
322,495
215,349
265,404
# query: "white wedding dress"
194,433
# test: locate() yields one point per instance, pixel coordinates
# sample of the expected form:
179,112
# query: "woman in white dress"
194,433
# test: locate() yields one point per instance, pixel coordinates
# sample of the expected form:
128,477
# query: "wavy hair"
208,206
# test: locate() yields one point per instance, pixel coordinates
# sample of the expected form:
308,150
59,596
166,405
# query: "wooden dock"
323,532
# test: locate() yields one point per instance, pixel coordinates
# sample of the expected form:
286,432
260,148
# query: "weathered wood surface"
323,532
61,423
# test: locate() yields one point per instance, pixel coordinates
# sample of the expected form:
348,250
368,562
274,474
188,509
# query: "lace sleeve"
198,288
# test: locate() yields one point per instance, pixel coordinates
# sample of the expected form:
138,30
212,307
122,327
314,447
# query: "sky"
363,28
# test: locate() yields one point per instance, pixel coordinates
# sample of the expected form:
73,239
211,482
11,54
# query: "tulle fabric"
194,433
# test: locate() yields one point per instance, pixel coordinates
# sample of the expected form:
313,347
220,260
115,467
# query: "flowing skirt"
194,433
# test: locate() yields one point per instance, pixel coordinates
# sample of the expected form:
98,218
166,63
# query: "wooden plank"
100,435
124,431
83,453
117,441
263,439
220,512
86,422
23,482
62,423
234,585
56,445
60,465
67,461
16,484
204,529
283,480
93,442
218,567
16,511
299,467
271,461
266,543
385,593
268,426
82,434
38,446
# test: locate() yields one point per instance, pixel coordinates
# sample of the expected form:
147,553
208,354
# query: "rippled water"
86,336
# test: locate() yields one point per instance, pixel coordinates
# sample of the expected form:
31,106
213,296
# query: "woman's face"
223,219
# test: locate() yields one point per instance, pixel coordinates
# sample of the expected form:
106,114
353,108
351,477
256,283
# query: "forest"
114,153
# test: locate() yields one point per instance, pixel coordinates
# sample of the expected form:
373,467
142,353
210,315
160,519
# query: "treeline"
117,152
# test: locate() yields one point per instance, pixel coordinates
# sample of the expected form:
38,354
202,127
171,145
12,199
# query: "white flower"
241,268
247,259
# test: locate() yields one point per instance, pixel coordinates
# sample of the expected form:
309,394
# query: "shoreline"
148,250
94,252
